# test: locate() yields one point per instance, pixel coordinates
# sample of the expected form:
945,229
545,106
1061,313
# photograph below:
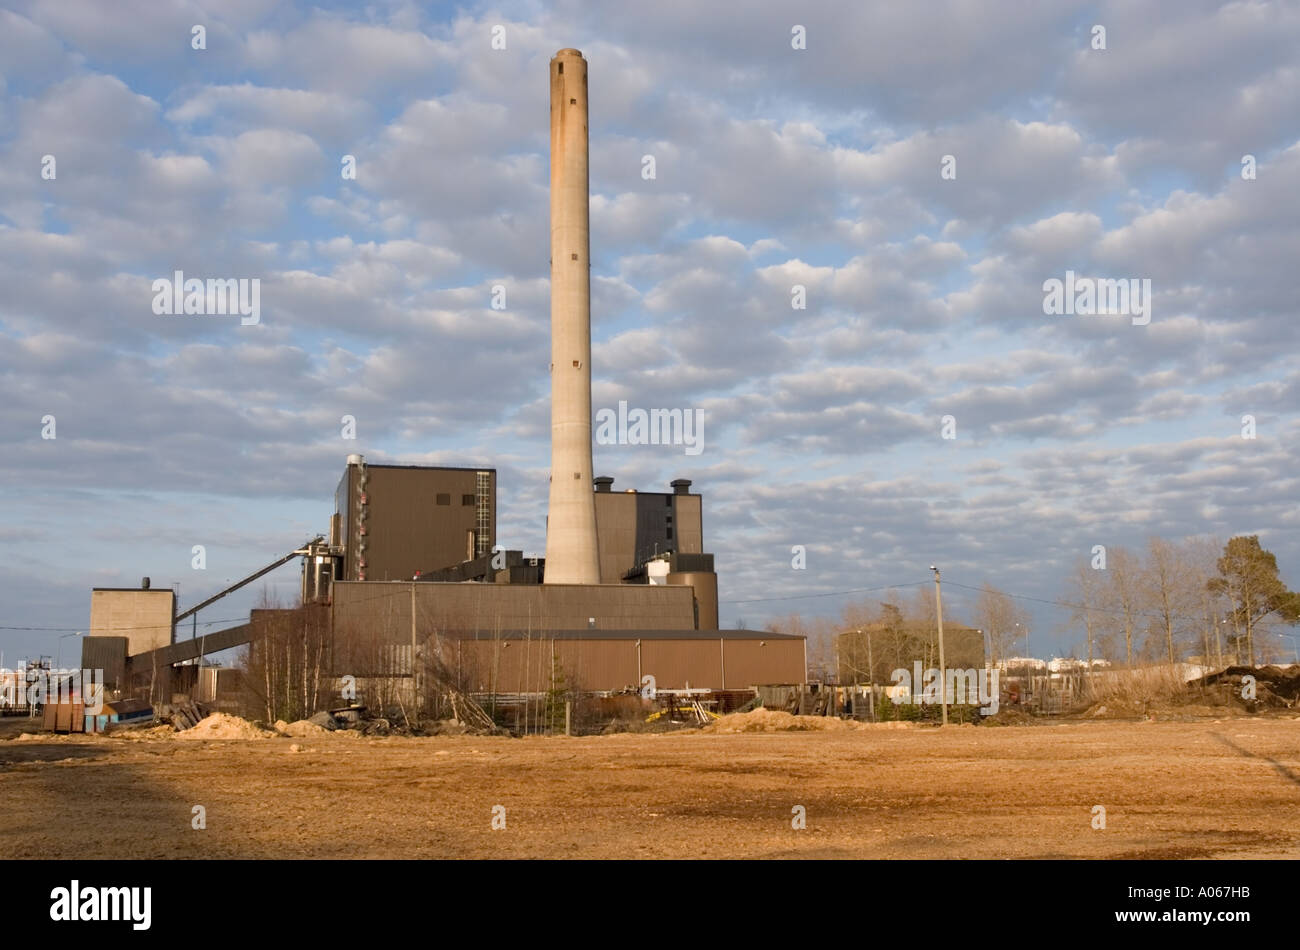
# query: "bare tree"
1124,595
1086,592
1169,590
998,614
284,664
1206,605
923,615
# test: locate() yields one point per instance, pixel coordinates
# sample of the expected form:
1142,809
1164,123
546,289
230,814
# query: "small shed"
120,710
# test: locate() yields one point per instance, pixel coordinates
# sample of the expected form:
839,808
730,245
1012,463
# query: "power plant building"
142,615
411,563
393,522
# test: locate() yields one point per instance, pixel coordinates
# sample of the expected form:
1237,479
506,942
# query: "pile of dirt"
1275,686
775,720
223,726
302,729
1010,717
144,734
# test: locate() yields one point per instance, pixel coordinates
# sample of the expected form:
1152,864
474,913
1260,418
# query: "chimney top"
681,486
604,483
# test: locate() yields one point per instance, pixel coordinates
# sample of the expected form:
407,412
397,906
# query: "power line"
833,593
1118,611
145,626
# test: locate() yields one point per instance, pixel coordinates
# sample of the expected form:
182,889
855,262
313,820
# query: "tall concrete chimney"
571,555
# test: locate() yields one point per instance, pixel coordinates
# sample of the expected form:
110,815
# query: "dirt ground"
1169,789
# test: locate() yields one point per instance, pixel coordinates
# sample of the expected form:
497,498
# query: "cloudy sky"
774,166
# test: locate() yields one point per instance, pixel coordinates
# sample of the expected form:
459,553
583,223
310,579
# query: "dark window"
561,69
668,520
444,499
668,501
467,500
670,534
573,102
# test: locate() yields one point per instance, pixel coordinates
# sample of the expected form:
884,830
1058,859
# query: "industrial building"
428,517
410,573
143,616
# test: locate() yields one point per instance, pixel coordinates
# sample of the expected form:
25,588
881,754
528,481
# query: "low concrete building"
143,615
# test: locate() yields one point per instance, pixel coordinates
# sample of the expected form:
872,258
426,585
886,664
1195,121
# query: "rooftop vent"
681,486
604,483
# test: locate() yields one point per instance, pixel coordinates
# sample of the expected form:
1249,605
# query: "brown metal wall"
631,526
676,664
407,530
749,664
107,654
615,534
368,612
488,607
705,587
525,666
688,519
611,663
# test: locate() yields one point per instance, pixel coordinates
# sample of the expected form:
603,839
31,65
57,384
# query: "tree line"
1198,596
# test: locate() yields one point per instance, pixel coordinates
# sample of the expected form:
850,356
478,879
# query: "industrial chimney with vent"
571,551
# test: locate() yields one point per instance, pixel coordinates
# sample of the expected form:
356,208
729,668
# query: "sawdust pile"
776,720
151,733
223,726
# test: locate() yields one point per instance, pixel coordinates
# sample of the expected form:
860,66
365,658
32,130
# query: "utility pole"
871,675
943,667
415,692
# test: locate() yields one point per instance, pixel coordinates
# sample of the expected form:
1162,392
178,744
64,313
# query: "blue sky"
774,167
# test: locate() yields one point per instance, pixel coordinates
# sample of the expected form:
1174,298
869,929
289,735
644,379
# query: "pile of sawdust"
153,733
224,726
776,720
